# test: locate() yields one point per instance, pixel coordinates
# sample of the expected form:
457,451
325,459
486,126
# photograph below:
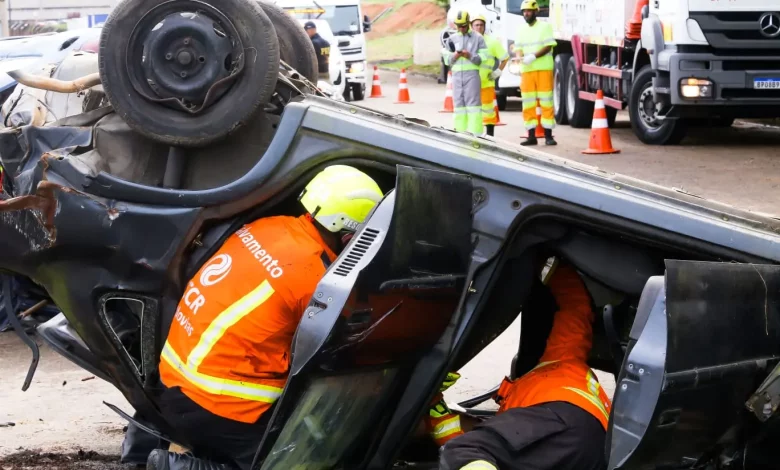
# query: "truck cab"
349,26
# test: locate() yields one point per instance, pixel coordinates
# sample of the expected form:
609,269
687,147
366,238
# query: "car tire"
501,100
559,88
295,47
579,112
641,112
358,91
245,96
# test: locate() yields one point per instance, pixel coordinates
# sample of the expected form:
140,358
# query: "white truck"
672,63
349,26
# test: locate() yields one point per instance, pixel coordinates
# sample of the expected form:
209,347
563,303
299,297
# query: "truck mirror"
366,26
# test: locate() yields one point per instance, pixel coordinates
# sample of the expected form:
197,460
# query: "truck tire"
559,88
579,112
643,115
358,91
611,116
501,99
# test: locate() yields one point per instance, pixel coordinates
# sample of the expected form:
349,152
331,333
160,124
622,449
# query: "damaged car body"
112,217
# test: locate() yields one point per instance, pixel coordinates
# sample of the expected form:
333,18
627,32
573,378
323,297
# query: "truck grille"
350,50
740,30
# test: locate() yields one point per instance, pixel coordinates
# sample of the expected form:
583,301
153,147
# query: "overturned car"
210,119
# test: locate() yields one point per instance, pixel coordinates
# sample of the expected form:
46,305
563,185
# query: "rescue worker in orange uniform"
227,355
553,417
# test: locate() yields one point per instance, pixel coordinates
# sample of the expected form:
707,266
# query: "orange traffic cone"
376,87
498,116
403,89
539,128
600,141
634,25
449,105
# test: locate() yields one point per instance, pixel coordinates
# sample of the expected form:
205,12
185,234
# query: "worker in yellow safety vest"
534,46
494,59
463,54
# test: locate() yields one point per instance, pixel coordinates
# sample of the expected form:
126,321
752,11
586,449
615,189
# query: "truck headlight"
357,67
514,67
695,88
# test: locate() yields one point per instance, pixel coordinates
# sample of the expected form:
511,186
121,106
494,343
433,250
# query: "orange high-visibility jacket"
562,374
229,344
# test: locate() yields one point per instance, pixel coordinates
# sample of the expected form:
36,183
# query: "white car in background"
337,66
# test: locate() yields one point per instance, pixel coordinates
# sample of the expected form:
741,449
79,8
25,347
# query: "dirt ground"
60,421
411,16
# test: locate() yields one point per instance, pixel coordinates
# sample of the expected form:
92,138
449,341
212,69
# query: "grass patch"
391,47
429,69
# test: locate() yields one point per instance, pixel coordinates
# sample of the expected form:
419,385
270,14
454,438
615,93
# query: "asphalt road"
63,413
738,165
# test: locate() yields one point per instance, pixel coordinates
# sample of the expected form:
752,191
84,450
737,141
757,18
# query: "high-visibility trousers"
467,100
489,117
538,85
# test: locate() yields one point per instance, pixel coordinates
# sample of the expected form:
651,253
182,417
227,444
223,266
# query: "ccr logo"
216,270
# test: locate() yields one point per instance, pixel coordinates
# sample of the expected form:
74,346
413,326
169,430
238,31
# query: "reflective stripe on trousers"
488,106
467,100
538,85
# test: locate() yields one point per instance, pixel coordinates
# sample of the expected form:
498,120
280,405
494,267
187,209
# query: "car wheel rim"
184,54
648,112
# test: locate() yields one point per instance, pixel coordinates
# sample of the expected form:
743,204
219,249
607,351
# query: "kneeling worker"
555,416
227,355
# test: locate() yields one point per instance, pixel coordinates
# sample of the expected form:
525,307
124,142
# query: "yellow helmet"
462,18
340,197
480,17
529,5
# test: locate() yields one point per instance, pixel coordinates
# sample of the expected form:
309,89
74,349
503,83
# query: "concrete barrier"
426,47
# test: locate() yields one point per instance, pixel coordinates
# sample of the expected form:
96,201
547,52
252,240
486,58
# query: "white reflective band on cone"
402,86
600,124
599,104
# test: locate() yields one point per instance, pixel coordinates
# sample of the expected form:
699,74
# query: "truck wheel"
181,72
358,92
611,116
559,88
579,112
644,115
295,47
501,100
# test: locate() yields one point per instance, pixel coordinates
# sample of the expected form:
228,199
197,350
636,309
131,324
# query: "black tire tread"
561,62
671,132
171,127
582,115
295,47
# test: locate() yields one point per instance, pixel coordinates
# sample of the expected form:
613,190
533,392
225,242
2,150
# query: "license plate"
766,83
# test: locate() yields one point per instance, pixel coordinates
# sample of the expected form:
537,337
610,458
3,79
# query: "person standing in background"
534,46
322,48
463,55
494,60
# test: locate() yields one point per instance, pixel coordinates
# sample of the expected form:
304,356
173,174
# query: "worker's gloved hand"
495,74
527,59
449,381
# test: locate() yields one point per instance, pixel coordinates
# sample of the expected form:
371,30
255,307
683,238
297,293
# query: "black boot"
531,140
548,138
163,460
491,129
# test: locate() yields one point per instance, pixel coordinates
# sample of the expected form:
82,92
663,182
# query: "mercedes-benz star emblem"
769,25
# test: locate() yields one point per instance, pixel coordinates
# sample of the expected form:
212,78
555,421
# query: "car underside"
112,219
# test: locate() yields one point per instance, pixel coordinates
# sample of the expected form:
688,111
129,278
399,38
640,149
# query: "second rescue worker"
494,60
463,57
534,45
